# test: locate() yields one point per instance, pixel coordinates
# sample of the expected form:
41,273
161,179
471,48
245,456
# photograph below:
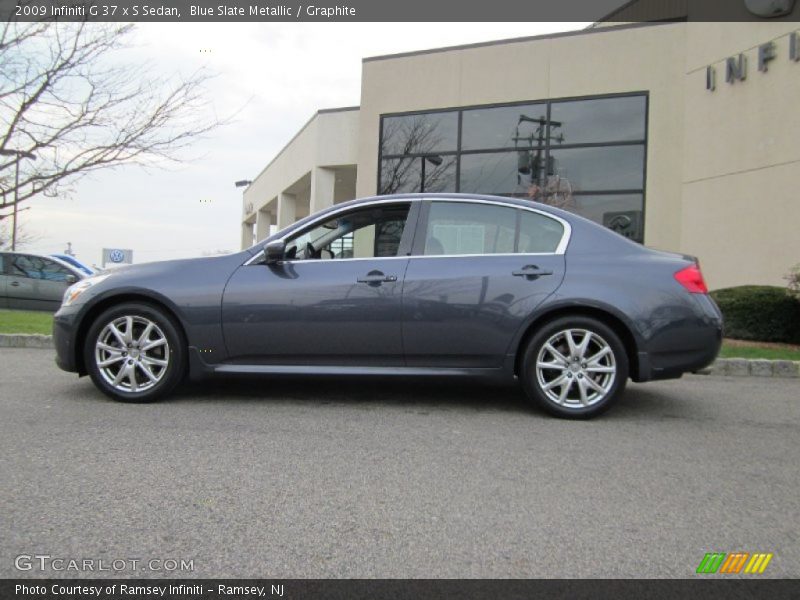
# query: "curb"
742,367
26,340
732,367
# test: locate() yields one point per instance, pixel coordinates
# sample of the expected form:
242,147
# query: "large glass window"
599,168
419,134
619,119
504,127
585,155
432,173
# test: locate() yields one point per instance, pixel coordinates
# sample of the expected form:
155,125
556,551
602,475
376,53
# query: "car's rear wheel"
134,352
574,367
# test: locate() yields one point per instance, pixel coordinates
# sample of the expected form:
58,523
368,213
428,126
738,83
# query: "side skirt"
198,369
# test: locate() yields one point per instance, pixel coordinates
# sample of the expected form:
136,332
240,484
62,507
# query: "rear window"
538,234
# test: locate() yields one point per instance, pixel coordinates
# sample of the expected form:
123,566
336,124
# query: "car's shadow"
363,392
427,394
431,393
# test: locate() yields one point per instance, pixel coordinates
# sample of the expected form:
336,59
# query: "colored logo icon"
734,563
116,256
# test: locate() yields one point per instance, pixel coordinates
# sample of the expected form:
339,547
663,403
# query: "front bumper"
65,334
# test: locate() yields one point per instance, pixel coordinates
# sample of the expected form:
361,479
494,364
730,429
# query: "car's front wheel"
134,352
574,367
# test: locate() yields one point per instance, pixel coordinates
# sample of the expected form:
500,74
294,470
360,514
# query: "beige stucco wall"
329,139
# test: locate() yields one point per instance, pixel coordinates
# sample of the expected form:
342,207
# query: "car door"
477,272
36,283
334,300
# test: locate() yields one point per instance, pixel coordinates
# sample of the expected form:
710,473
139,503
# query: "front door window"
366,233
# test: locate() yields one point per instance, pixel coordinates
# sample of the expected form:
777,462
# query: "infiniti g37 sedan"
436,284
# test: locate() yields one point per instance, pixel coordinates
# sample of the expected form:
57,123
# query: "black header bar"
607,11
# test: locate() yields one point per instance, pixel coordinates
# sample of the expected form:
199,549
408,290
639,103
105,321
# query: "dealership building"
680,135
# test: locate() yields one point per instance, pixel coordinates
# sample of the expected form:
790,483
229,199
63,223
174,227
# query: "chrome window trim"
560,249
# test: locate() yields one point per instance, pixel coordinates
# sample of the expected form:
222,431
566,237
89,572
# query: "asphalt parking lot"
354,478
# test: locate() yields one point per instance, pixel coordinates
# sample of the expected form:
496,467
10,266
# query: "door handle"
531,272
15,283
377,278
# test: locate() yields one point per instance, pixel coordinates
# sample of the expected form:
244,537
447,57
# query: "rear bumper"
690,348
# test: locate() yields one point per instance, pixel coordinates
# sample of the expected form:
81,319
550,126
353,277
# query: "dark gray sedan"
417,285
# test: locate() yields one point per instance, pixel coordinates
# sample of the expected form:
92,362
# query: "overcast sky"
280,74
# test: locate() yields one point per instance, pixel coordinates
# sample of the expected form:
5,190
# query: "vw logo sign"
116,256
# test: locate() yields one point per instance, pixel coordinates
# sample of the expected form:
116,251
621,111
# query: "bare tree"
24,236
416,139
557,191
68,99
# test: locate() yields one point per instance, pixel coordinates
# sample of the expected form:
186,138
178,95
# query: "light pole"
19,155
435,160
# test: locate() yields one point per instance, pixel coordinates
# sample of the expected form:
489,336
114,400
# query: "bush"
760,313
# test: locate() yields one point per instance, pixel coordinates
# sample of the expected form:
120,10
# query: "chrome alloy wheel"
132,354
576,368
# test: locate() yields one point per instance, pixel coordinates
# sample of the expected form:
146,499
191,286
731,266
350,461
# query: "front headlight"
77,289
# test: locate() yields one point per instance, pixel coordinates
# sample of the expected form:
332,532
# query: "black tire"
173,353
581,401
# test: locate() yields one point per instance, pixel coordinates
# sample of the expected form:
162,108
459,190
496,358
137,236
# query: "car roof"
418,196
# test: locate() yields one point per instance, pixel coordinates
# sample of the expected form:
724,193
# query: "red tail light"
692,279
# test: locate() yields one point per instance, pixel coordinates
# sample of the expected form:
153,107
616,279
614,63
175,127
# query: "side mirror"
275,251
70,279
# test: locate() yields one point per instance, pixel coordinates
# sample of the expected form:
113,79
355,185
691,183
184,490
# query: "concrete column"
286,209
247,235
323,182
263,222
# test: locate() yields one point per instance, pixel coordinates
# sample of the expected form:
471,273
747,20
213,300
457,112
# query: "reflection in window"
621,212
605,168
419,134
34,267
618,119
461,228
493,173
504,127
405,175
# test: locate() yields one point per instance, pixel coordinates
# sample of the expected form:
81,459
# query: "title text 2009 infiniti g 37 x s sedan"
437,284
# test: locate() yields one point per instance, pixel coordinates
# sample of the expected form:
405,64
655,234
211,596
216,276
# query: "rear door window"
458,228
